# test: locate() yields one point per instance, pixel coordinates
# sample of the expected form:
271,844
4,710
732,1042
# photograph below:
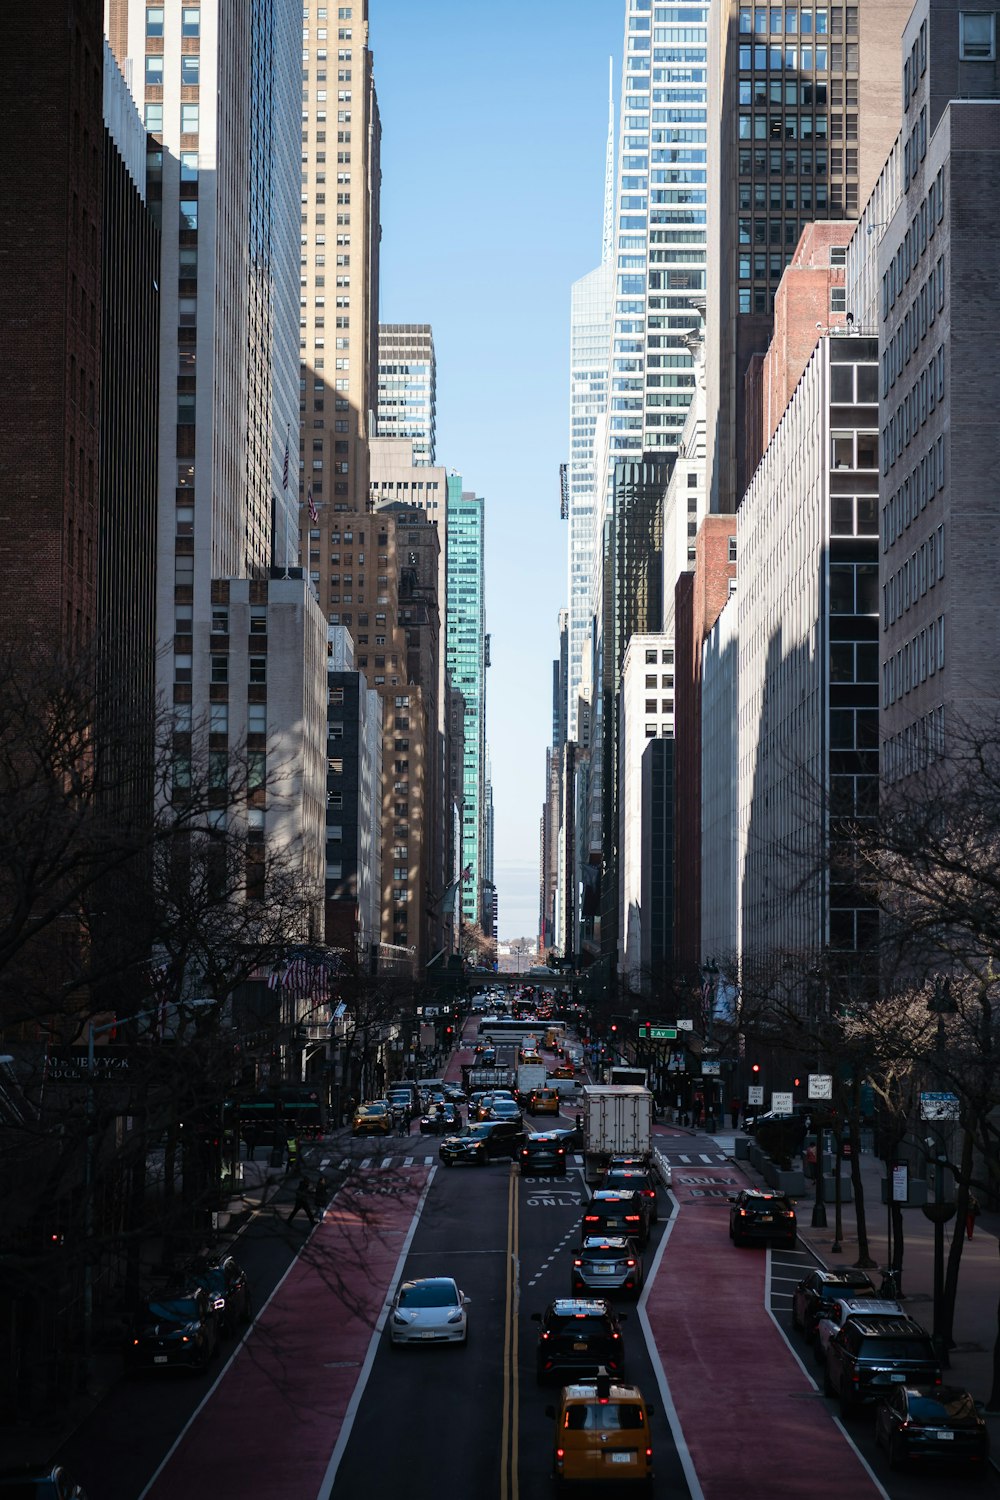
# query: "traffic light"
614,1027
797,1083
755,1068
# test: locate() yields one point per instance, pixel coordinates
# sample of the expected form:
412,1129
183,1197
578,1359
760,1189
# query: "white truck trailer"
617,1121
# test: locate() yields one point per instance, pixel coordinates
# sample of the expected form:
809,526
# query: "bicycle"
889,1285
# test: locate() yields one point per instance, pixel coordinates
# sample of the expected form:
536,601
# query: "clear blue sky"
494,124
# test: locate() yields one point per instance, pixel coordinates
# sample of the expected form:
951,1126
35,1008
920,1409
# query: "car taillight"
632,1218
561,1151
630,1262
649,1453
616,1335
578,1263
560,1454
590,1219
743,1213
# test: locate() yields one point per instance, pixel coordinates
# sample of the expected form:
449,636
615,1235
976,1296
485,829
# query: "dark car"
226,1283
504,1109
440,1119
572,1137
817,1291
761,1216
607,1263
489,1140
578,1336
865,1360
612,1213
175,1330
543,1154
937,1425
633,1179
39,1482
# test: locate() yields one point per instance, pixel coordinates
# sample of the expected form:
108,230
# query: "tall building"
466,660
938,388
354,801
645,715
407,387
804,108
220,104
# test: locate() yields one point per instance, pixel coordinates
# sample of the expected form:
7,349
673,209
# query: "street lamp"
939,1212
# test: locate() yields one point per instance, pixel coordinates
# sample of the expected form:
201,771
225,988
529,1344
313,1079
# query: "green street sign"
651,1033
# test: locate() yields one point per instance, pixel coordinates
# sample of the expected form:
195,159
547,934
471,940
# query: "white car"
429,1311
852,1307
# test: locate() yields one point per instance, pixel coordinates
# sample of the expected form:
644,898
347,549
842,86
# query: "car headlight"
456,1316
400,1319
219,1303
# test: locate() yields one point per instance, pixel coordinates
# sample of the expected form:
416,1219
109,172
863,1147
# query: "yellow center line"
509,1419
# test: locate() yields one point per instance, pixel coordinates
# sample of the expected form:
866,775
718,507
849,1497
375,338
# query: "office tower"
354,799
466,660
804,109
934,240
589,356
489,918
645,716
220,104
808,667
407,386
338,323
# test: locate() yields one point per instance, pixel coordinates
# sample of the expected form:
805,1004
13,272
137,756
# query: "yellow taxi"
563,1070
543,1102
602,1434
373,1118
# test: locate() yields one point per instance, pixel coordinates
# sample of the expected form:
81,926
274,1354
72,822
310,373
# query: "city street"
315,1401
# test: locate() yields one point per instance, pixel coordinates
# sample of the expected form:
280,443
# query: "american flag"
274,979
466,873
313,512
284,466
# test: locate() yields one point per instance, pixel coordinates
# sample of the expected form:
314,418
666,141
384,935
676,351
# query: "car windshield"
579,1326
429,1294
173,1310
604,1416
373,1109
475,1132
896,1348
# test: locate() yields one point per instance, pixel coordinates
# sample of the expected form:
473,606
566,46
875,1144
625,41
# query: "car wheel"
848,1406
828,1387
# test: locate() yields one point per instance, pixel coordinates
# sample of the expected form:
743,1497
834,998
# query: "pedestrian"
292,1147
403,1122
302,1201
250,1139
972,1215
322,1194
734,1112
352,1105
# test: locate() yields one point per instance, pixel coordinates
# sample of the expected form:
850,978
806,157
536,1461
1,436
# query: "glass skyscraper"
466,660
407,386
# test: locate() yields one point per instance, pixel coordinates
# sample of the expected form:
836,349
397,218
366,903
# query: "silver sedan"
429,1311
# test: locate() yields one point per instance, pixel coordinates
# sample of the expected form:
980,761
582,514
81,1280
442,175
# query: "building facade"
466,661
407,387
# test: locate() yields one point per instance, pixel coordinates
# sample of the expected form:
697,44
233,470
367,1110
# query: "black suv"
544,1154
866,1359
761,1216
578,1336
489,1140
817,1291
610,1212
638,1179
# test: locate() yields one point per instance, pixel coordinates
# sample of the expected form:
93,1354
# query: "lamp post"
939,1212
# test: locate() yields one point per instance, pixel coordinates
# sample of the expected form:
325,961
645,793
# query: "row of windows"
913,411
914,494
785,127
913,244
762,19
920,572
915,747
153,119
190,70
218,718
913,663
919,317
795,161
800,59
190,20
915,148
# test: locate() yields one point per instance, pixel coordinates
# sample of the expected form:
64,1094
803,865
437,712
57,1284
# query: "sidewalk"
971,1360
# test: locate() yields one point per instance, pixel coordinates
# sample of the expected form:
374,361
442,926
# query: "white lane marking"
669,1408
703,1157
386,1162
352,1407
794,1353
407,1161
325,1162
682,1157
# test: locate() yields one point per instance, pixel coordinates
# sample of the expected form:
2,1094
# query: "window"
153,119
191,20
257,718
190,70
218,718
220,669
154,71
189,119
258,670
977,35
220,619
838,299
154,20
838,255
732,549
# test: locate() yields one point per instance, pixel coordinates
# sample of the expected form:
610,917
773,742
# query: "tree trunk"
957,1242
896,1210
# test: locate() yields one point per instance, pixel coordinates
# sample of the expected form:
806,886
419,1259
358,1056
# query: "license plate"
945,1437
897,1379
622,1458
603,1270
428,1335
765,1218
580,1346
159,1359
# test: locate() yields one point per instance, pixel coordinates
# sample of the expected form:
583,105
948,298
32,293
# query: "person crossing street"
303,1201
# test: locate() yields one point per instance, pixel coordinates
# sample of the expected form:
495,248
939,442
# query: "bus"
504,1028
290,1109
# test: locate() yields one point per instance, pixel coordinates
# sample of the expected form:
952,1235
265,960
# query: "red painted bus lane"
752,1422
271,1425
